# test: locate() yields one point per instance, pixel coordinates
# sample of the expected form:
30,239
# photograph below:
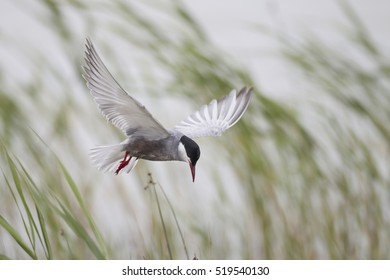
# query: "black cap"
192,149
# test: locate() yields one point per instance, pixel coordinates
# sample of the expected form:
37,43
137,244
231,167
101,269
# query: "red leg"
123,163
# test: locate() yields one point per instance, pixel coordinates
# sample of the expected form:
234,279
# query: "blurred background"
303,175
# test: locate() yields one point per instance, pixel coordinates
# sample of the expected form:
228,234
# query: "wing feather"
115,103
218,116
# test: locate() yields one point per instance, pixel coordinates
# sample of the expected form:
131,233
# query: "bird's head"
189,152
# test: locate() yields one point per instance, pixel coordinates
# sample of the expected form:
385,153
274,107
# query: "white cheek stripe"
182,152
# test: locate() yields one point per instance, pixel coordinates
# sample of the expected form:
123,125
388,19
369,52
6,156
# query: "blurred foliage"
309,191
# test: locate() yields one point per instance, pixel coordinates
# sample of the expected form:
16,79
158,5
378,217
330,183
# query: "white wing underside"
218,116
115,103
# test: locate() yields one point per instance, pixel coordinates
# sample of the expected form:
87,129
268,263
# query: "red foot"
123,163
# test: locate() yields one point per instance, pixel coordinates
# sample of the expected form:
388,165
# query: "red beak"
192,167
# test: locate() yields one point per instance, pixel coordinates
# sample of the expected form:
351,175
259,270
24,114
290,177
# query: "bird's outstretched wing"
218,116
115,103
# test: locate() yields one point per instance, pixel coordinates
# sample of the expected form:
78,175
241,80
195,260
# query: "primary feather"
115,103
218,116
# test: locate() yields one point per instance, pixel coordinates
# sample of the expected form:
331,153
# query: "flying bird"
146,138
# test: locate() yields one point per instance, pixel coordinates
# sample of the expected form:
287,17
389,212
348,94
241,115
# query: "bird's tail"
108,158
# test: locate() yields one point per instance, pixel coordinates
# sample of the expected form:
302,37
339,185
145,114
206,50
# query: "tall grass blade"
4,257
15,235
86,212
153,185
43,226
176,221
79,230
